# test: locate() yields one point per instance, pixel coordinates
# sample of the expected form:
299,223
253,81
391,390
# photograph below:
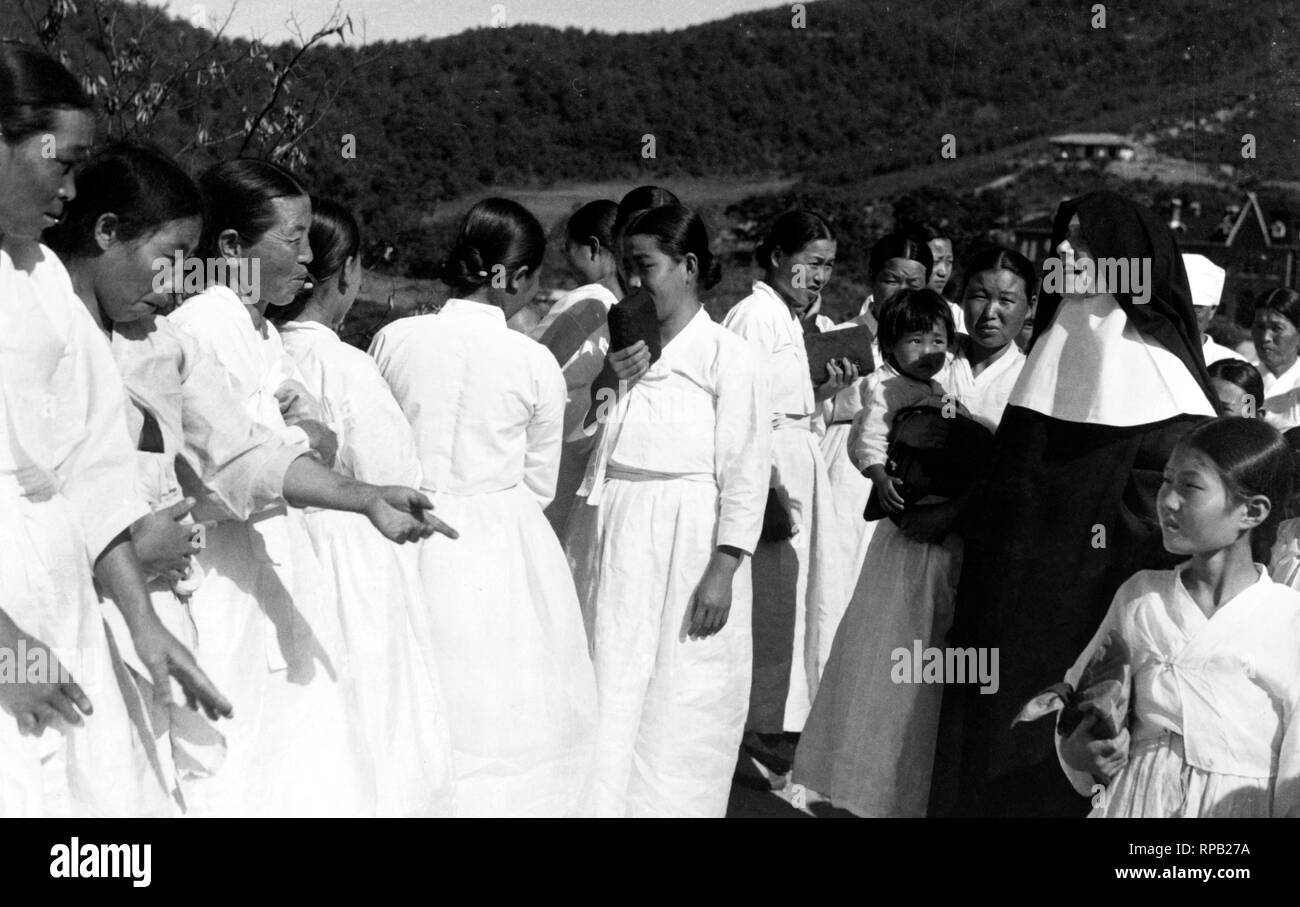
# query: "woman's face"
800,277
283,252
654,271
941,249
136,278
1276,340
996,306
897,274
36,174
1197,515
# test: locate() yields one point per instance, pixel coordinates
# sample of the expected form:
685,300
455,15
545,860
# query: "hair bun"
464,268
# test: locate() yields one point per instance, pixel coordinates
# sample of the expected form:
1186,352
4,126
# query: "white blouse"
1282,397
764,319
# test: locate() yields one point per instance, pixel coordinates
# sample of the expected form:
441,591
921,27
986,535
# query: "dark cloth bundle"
635,319
1102,690
934,453
853,344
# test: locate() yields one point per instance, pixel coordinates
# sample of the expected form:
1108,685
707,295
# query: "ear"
1257,509
692,266
105,231
229,244
1033,303
518,279
345,272
593,247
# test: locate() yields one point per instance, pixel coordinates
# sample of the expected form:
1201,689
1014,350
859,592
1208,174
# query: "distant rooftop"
1090,138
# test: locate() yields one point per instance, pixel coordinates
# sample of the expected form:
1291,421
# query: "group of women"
634,573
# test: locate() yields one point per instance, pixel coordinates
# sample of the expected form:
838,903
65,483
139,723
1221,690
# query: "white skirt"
270,640
100,769
512,655
672,709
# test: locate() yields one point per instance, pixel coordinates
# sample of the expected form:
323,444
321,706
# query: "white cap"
1205,278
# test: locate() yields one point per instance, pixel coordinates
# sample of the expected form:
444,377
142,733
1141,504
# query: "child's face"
1197,515
1233,401
920,354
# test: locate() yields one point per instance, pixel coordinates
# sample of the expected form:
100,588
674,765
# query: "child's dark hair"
594,219
790,233
335,237
678,231
1244,375
140,185
497,232
900,244
912,310
1252,458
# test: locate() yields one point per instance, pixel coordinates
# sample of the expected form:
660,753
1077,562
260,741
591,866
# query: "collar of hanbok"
317,330
468,308
228,297
1277,384
764,290
1189,615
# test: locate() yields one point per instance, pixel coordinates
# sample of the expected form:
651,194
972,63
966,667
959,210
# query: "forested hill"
866,86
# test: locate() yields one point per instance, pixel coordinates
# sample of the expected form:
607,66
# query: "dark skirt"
1067,514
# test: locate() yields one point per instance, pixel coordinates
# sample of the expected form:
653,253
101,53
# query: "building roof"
1091,138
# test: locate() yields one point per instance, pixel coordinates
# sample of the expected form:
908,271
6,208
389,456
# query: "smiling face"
284,251
941,249
1276,340
1197,514
126,271
666,280
996,306
896,275
800,277
36,173
921,354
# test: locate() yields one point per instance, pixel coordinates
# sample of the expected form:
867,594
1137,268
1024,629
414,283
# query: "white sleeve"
546,430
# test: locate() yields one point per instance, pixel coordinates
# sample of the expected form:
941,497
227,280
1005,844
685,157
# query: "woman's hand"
711,604
840,373
165,657
163,542
39,702
929,523
322,439
630,363
886,489
404,515
1102,759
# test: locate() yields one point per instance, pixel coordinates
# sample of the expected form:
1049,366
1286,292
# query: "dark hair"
999,258
928,233
1252,458
1283,300
33,85
593,219
1242,374
335,237
139,184
678,231
239,196
790,233
640,199
912,309
900,244
495,232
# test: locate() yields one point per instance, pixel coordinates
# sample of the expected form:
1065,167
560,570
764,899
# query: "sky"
380,20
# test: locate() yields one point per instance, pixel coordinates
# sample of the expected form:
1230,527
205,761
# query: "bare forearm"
308,483
118,570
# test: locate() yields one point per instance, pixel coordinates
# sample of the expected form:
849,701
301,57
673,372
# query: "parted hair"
33,85
900,244
679,231
495,232
999,258
1283,300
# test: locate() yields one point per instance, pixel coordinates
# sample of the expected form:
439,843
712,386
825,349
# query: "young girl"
677,486
1214,647
791,575
577,334
487,408
385,624
68,491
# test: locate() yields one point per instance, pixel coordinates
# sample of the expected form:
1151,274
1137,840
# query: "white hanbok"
487,409
792,577
265,617
386,630
68,487
1215,714
1282,397
680,469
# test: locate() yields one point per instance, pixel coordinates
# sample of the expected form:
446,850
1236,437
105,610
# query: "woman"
385,625
870,741
67,477
1276,333
794,571
1113,379
487,408
677,486
940,246
264,609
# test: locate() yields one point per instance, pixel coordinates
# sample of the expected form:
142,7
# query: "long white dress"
68,487
870,741
1214,728
680,470
487,408
385,624
791,577
580,370
265,617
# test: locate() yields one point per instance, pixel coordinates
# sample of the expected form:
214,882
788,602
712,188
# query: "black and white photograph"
677,409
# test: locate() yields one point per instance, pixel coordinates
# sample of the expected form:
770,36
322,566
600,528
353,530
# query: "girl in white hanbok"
385,624
1213,647
870,742
793,574
265,610
487,408
675,490
70,495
